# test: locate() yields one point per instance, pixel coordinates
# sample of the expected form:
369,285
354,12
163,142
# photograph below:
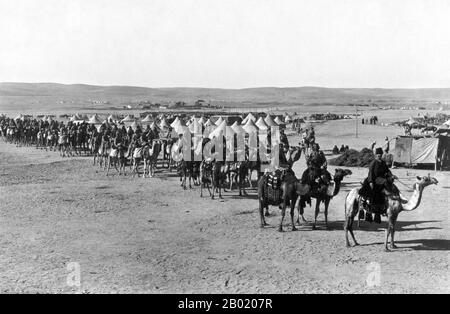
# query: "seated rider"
379,178
316,174
284,140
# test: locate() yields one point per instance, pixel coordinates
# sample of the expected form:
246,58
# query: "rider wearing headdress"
316,172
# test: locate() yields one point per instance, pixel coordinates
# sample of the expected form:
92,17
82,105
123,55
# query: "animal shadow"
399,226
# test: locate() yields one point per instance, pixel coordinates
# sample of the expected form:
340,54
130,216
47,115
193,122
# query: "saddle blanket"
274,180
273,195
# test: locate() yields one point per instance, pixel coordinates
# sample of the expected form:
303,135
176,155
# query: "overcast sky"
227,43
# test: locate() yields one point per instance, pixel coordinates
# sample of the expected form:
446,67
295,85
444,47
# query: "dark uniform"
284,140
378,174
317,164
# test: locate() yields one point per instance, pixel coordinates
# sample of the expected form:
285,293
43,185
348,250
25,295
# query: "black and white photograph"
224,148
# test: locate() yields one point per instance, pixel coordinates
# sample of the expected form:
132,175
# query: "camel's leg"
394,220
283,212
316,213
301,210
220,191
109,167
390,231
230,179
242,184
292,213
327,203
261,210
250,178
348,227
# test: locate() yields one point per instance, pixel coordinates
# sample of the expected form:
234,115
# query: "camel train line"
113,146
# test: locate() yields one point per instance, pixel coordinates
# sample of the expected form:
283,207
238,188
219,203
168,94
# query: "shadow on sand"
419,245
365,226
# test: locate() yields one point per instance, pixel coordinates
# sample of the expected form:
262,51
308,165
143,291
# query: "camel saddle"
274,180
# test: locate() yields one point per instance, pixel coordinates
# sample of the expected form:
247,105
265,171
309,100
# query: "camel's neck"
415,199
337,187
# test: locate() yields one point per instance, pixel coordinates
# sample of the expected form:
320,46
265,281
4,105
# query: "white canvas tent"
219,130
219,121
94,120
270,122
195,127
128,118
237,128
250,127
249,117
134,125
261,124
163,124
175,122
148,119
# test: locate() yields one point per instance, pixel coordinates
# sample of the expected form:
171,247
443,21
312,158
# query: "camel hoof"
266,214
348,245
280,229
393,246
294,229
386,250
314,227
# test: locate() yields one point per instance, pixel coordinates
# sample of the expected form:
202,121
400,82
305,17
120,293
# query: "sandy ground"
148,235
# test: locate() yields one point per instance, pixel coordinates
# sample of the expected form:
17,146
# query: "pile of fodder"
353,158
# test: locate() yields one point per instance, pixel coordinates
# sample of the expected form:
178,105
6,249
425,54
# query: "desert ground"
150,236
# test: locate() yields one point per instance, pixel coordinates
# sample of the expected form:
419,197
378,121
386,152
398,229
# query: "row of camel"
292,189
212,174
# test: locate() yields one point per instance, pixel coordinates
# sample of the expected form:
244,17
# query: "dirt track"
136,235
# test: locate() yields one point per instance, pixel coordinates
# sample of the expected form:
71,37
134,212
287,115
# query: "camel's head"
340,174
426,180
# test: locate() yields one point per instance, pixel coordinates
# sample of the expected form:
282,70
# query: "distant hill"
294,95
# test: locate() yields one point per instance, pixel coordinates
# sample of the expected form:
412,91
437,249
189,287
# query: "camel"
395,205
212,172
237,172
117,157
290,189
137,155
151,158
326,197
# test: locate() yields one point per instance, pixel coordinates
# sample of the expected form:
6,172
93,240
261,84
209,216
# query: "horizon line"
227,88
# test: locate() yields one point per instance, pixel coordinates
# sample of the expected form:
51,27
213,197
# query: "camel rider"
311,135
284,140
316,172
379,178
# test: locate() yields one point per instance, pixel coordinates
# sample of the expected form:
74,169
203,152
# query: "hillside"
253,95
